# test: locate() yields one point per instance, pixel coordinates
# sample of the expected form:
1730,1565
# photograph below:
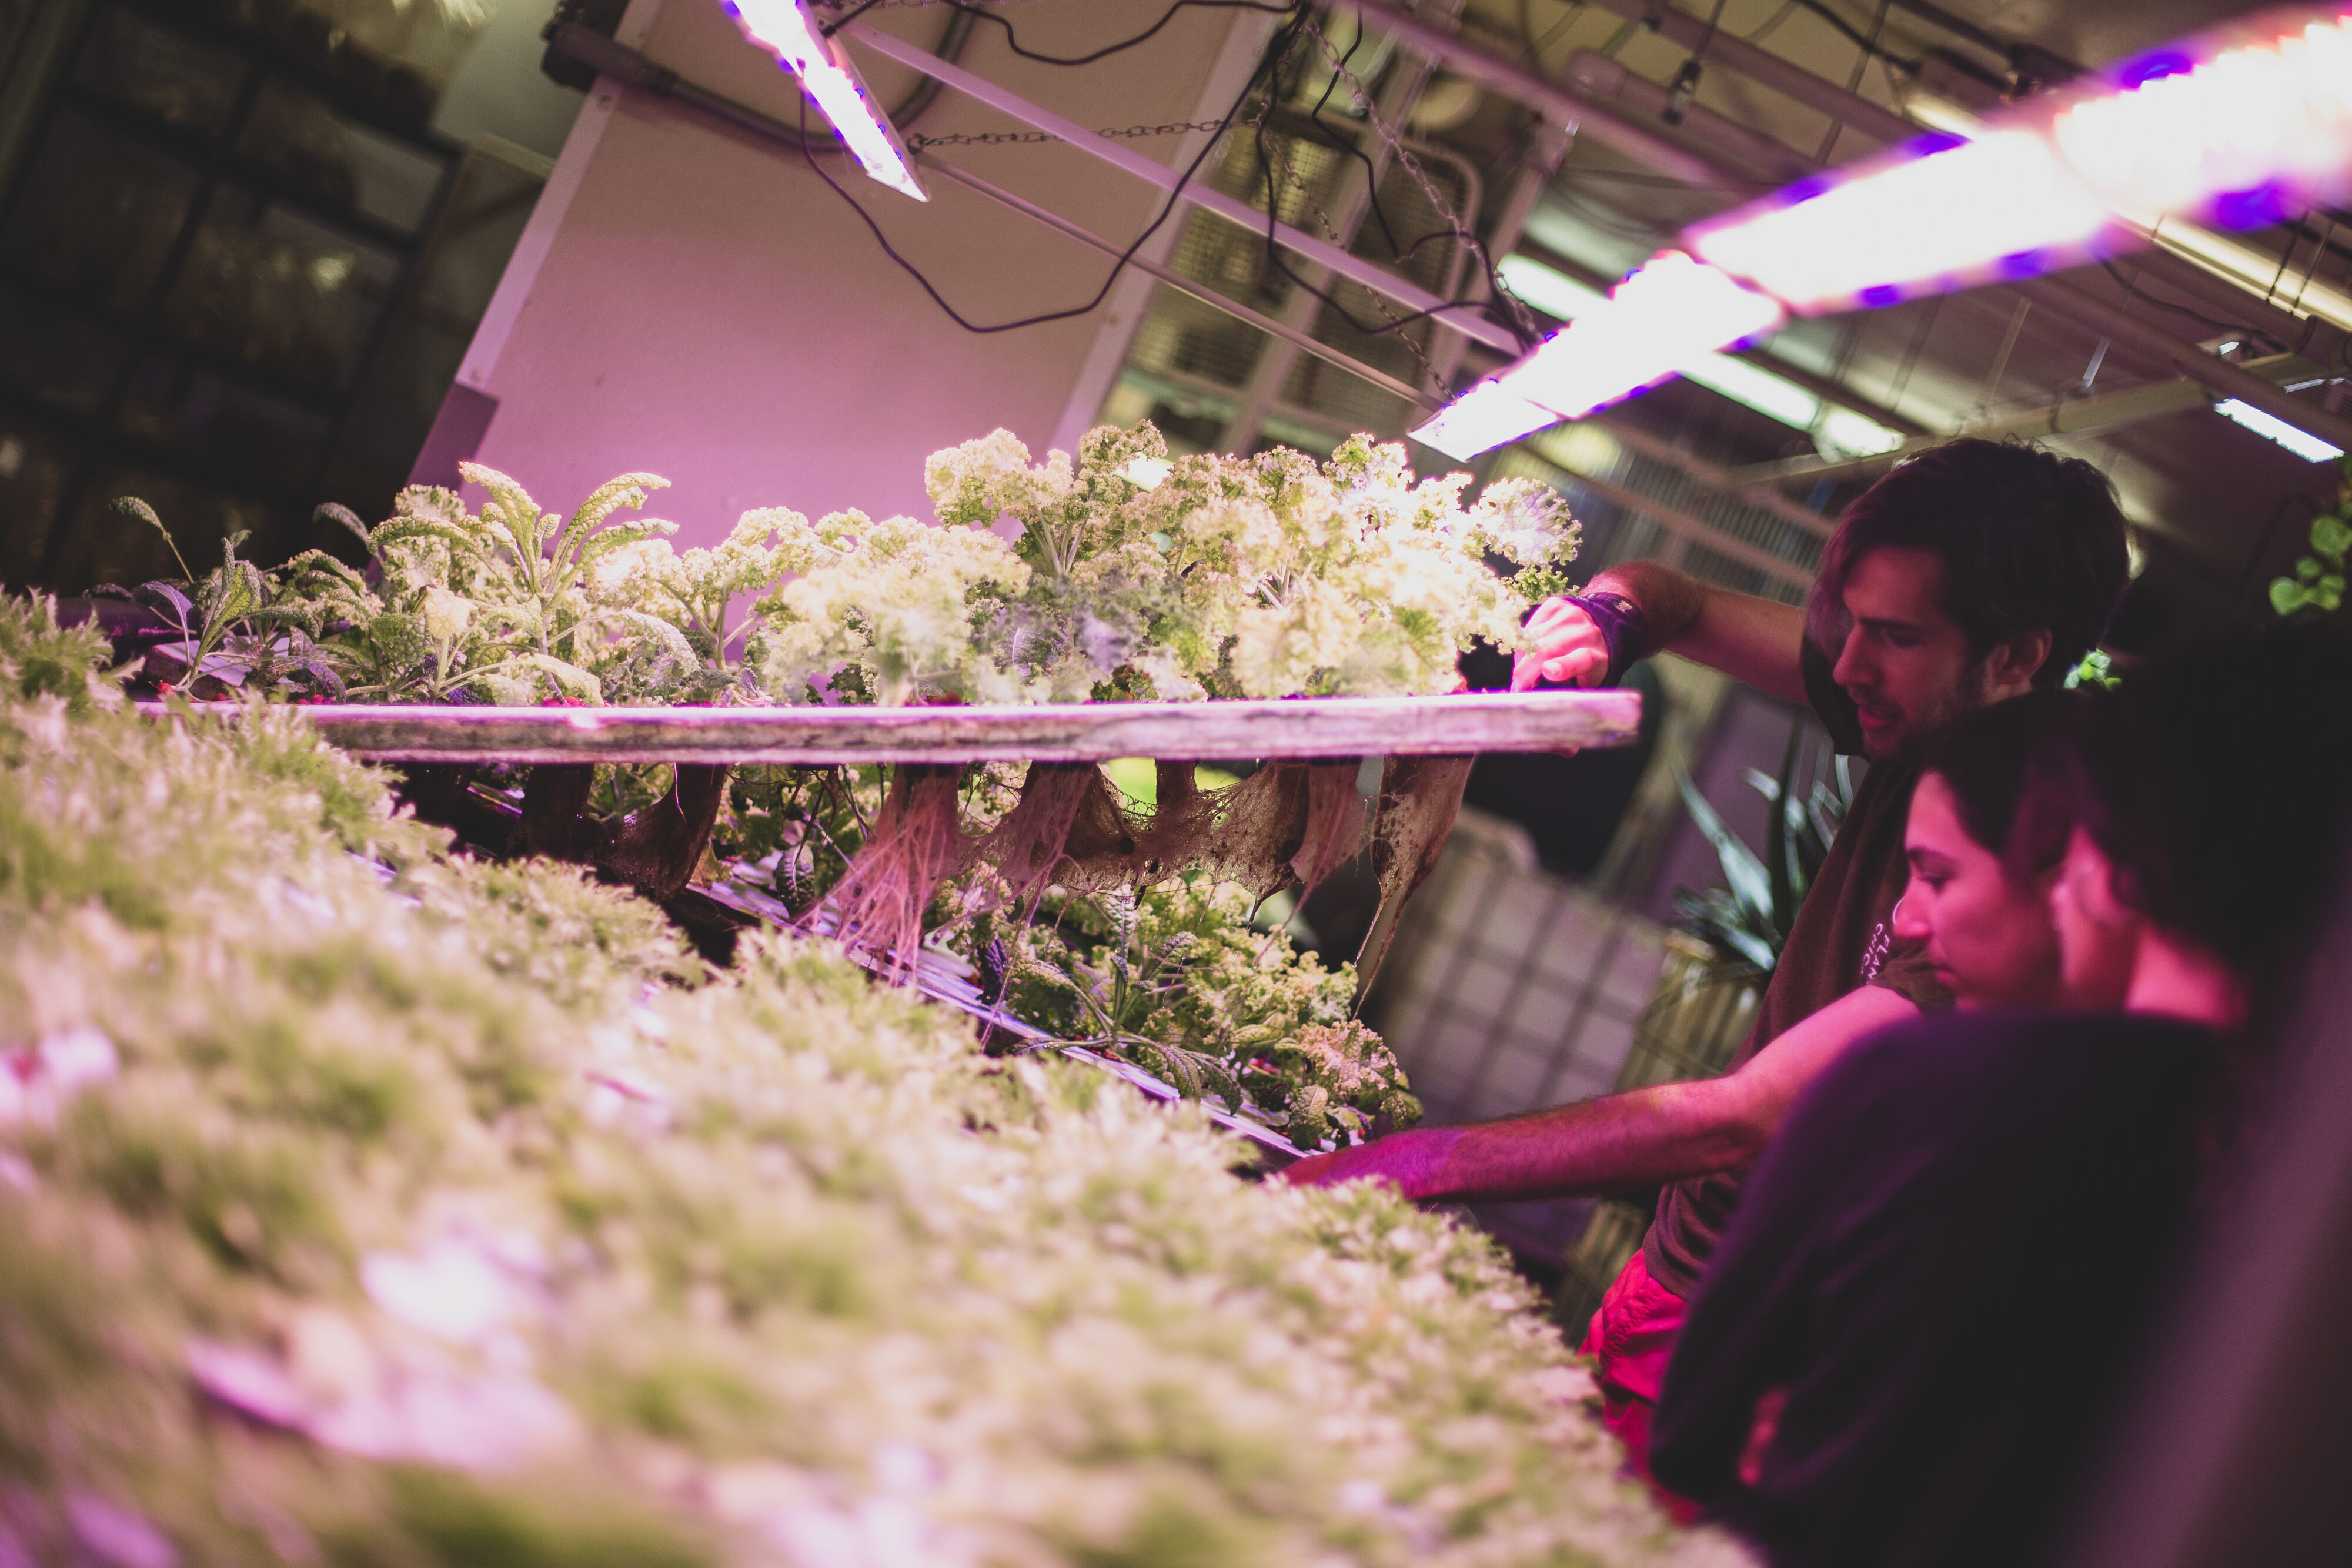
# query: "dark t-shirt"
1842,940
1949,1260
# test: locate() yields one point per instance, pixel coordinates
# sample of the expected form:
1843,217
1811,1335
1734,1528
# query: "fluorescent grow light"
1658,322
2302,444
1484,417
1940,217
2244,134
785,29
1842,430
1491,413
2226,258
2240,126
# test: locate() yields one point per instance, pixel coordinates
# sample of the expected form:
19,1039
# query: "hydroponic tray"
1058,732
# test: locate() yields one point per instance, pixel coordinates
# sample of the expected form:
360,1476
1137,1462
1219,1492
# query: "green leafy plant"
1747,922
1176,978
2317,586
39,658
231,635
363,1203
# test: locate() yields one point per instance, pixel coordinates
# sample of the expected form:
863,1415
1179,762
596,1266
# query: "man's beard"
1971,692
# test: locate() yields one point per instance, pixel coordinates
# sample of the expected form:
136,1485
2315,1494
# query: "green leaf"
1748,880
395,530
669,636
2331,537
334,512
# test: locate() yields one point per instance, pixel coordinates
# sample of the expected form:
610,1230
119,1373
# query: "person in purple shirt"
1906,1347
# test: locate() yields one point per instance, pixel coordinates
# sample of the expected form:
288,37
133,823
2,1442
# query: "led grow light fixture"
2237,126
1667,316
1488,418
2240,126
785,29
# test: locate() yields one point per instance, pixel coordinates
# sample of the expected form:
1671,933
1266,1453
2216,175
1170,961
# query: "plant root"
917,841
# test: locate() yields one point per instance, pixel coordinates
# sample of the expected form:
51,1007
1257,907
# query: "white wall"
696,303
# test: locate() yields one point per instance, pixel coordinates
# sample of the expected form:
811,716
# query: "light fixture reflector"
786,29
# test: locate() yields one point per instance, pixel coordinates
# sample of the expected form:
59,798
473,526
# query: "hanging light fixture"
786,29
1665,317
2238,126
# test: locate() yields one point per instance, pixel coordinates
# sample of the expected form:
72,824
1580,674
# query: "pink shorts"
1632,1336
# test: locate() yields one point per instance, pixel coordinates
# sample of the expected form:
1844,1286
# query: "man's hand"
1568,648
1409,1161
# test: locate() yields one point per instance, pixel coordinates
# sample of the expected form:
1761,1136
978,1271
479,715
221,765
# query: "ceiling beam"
2185,357
1475,63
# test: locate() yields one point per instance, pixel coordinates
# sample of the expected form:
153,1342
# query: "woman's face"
2098,937
1987,933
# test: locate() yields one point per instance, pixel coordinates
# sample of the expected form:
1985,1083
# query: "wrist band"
1624,629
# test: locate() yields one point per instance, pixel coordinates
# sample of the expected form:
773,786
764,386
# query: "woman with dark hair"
1982,868
1944,1264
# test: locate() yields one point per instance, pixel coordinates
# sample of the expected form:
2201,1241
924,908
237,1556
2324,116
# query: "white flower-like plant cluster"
369,1205
1136,575
1133,575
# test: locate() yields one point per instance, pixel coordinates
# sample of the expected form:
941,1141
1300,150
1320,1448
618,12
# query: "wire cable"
1012,40
1868,44
2134,289
1287,37
1516,318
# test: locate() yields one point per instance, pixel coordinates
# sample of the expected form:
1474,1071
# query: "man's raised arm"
1622,1143
1754,639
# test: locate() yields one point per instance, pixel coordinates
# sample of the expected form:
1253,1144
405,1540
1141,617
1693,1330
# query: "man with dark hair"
1972,573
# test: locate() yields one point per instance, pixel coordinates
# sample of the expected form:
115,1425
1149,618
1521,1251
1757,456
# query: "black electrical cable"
1271,71
1273,58
1330,301
1346,143
838,23
1854,36
1521,326
2133,289
1012,40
